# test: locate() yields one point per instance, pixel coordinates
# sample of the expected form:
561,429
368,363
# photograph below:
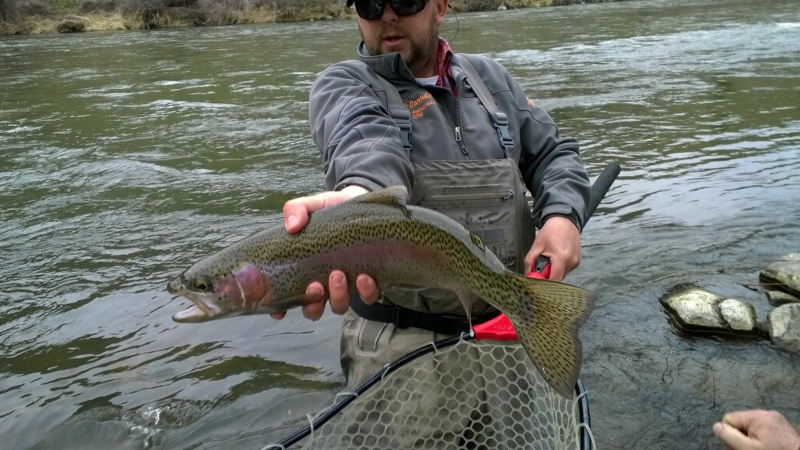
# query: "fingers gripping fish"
397,244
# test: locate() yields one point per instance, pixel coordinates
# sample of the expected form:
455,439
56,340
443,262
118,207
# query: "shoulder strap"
499,119
394,103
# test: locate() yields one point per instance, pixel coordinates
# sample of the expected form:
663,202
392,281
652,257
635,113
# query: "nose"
174,285
389,15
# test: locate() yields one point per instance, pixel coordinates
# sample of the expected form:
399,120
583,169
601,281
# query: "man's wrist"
566,216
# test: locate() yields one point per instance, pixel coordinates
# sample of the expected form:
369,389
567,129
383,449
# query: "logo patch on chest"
417,106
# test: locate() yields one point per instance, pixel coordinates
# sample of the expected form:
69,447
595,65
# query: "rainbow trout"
397,244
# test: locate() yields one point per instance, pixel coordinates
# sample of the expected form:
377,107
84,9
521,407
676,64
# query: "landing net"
461,394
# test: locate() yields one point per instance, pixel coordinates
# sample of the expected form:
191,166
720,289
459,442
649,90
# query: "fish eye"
202,285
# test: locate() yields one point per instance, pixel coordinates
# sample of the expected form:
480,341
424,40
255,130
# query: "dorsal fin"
392,196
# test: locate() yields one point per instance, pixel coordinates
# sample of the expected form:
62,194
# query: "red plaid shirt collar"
445,58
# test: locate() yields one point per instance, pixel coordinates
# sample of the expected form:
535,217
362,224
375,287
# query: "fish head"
220,294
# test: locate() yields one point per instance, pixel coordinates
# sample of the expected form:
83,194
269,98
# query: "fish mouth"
194,313
202,309
199,312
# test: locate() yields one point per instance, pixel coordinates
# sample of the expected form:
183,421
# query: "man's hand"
757,430
295,217
560,240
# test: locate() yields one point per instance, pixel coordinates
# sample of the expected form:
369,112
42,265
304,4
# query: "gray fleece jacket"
361,143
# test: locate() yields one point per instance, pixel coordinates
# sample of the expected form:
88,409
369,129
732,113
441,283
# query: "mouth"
393,39
199,312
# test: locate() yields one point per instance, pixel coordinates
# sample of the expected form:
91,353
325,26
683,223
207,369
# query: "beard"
422,49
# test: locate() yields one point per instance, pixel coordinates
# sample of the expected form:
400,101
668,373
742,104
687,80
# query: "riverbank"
72,16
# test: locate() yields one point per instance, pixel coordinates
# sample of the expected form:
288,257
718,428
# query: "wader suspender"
499,119
402,317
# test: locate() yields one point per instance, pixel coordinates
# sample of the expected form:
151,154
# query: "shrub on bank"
9,13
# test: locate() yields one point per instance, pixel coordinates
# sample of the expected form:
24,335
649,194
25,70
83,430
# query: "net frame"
582,418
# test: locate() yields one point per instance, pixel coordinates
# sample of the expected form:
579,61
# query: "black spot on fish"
477,241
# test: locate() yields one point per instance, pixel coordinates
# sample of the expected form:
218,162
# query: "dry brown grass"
257,15
104,21
95,21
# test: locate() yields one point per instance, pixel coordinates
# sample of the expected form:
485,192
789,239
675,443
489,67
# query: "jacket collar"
390,66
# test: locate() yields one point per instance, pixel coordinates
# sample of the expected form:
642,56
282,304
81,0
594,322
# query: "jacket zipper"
455,122
459,138
461,142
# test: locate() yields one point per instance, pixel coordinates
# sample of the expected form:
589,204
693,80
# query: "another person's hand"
295,217
560,240
757,430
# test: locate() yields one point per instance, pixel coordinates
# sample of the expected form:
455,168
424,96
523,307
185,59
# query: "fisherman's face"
415,36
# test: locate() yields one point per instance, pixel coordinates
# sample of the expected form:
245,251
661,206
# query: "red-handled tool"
541,268
500,328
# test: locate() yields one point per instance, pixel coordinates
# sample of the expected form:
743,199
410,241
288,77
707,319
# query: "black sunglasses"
373,9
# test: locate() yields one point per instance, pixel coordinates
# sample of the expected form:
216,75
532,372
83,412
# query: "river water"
126,156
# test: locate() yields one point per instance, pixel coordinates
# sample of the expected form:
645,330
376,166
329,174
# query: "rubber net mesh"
472,395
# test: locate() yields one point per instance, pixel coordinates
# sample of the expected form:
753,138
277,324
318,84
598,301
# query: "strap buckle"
405,134
402,118
500,122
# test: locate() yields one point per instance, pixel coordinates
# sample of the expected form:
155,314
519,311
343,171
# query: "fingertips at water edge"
732,437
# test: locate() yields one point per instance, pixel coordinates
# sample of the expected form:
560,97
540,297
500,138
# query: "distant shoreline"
74,16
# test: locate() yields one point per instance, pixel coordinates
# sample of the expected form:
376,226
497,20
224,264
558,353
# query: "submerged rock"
784,327
784,274
778,298
738,315
697,309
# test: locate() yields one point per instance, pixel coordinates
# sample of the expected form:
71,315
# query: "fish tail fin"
547,320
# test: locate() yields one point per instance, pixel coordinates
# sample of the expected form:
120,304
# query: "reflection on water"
127,156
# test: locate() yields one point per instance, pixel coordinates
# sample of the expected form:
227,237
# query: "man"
460,149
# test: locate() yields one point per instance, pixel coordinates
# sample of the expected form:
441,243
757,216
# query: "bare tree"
8,11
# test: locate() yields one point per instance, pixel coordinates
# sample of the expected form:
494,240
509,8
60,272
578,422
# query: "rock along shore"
695,309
